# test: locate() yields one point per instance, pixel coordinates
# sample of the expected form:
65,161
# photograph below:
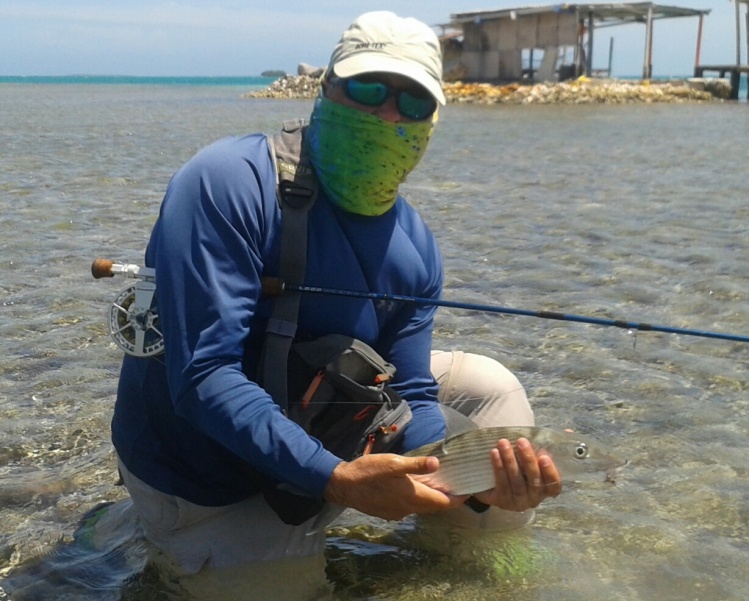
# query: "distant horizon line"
120,75
259,76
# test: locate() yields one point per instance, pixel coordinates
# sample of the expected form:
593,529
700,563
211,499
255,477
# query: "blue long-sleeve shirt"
192,422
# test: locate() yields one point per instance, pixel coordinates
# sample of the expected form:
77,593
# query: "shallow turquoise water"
628,212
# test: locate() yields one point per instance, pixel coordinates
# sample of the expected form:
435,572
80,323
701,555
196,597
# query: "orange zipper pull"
381,378
311,389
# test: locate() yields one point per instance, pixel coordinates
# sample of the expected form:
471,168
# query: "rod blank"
616,323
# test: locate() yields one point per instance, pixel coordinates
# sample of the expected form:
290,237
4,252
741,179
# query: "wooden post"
747,32
735,82
738,33
650,41
530,65
589,66
647,67
611,54
578,45
699,42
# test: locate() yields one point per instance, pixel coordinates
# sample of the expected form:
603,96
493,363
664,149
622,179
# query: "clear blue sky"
245,37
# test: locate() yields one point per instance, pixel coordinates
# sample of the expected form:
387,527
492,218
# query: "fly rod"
274,287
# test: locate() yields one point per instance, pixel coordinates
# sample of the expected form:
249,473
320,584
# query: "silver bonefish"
465,463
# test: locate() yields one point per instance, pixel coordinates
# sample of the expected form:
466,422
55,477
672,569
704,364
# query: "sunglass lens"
416,107
369,93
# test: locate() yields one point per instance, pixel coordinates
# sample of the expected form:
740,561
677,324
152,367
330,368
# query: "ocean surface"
635,212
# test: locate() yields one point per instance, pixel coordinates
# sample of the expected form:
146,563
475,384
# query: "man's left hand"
523,479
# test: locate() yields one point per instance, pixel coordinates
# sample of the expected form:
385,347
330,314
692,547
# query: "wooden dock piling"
735,71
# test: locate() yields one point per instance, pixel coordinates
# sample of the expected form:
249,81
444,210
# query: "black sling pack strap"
349,412
297,190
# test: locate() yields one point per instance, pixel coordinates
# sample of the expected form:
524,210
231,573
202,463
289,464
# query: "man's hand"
523,479
381,485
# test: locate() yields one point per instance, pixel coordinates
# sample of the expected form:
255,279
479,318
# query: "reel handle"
104,268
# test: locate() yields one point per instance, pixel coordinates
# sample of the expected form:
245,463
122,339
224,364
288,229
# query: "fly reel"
134,320
133,316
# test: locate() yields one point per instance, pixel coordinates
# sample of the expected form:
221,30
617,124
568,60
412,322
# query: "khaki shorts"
481,388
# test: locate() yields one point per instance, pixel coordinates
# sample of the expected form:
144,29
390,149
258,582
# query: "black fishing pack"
340,395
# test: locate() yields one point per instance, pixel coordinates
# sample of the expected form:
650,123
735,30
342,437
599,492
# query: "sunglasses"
375,93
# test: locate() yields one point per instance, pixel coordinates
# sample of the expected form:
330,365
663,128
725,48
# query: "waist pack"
339,393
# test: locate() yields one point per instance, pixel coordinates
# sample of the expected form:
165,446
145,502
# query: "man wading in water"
209,458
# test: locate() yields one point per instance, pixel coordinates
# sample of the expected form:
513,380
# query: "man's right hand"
381,485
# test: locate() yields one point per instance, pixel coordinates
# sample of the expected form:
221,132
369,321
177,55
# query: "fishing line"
276,287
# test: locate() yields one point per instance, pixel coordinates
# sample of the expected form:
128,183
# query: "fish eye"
581,450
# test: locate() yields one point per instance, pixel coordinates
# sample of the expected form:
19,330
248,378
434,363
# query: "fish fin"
456,423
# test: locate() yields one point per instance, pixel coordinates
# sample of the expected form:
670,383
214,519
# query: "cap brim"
377,63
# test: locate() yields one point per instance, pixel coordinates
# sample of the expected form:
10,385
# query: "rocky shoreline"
579,91
289,86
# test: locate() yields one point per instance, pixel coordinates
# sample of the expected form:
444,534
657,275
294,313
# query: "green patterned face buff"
361,159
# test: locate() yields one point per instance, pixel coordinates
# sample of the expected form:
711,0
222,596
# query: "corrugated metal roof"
610,13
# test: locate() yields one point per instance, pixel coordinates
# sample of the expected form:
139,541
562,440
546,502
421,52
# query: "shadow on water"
102,560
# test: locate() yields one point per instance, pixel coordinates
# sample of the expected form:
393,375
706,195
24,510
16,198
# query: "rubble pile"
289,86
579,91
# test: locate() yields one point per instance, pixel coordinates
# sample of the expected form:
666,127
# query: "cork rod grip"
102,268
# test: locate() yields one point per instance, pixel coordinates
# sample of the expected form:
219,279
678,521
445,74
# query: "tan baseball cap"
381,41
